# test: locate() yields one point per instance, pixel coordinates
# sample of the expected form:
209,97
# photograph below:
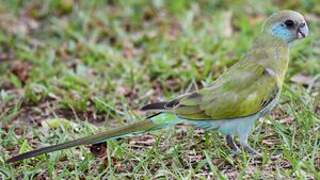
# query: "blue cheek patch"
282,33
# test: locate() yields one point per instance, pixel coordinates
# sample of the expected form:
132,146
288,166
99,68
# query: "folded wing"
244,90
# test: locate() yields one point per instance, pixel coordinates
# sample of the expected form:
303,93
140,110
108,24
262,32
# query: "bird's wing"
242,91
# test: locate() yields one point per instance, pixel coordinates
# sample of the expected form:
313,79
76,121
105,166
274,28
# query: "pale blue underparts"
236,127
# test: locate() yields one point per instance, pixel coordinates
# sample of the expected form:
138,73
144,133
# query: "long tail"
151,123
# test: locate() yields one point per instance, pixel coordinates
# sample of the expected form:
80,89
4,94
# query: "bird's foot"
235,152
234,148
252,152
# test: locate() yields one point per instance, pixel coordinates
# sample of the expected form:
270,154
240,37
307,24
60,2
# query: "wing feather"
244,90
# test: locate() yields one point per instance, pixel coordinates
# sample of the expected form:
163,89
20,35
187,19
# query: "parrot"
231,104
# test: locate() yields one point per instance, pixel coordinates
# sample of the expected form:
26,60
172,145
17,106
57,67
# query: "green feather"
244,89
155,122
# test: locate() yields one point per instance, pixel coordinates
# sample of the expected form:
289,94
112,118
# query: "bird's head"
286,25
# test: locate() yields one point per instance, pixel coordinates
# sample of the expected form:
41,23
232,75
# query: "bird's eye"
289,23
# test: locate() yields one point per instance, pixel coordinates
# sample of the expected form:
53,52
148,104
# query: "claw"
234,148
235,153
252,152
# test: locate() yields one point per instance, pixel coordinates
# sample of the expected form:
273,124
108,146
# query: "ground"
69,68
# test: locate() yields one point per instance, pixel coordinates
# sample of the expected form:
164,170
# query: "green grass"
96,63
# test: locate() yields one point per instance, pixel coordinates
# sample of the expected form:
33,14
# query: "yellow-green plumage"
244,89
243,94
138,127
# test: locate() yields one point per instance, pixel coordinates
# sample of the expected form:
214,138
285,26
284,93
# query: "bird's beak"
302,31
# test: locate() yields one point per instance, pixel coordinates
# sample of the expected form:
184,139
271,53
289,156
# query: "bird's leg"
230,142
246,146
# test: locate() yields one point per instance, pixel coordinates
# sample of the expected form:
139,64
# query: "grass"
95,63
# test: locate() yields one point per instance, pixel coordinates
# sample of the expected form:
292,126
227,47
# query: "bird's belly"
234,126
228,126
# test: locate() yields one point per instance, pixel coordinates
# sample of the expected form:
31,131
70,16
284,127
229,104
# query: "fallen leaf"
144,140
21,69
285,164
193,157
42,175
302,79
121,167
127,92
99,150
173,84
287,120
270,142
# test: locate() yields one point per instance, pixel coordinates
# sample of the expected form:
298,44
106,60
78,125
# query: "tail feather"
154,122
139,126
